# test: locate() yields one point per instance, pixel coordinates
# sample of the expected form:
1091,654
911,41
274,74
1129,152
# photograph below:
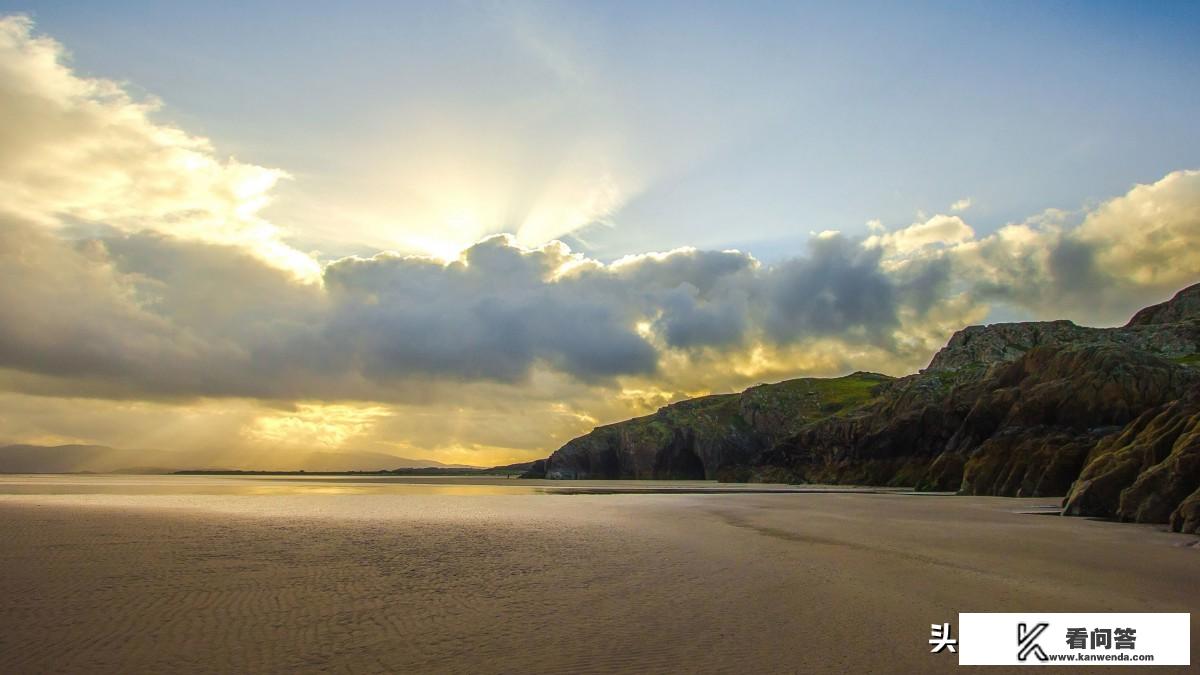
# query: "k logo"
1027,641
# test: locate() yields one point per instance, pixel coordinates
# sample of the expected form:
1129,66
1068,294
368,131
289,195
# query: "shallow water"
120,484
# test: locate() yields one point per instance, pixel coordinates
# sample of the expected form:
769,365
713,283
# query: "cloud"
1148,236
1130,251
688,320
144,314
961,205
329,426
139,283
151,315
940,230
488,315
83,150
839,289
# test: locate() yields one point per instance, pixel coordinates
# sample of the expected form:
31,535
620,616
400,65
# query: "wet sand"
501,581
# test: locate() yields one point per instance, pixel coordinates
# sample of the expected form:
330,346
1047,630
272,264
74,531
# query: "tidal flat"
188,574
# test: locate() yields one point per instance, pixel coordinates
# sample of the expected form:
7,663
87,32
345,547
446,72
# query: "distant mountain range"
103,459
1107,417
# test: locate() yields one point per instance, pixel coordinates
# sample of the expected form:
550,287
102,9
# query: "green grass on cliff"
773,410
1188,360
821,396
722,412
782,407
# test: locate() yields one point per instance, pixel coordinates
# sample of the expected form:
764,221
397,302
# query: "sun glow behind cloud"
466,186
328,426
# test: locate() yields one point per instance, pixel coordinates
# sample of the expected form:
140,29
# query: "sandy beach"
274,577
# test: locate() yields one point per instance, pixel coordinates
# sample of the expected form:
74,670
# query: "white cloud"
961,205
1149,236
938,231
1130,251
83,150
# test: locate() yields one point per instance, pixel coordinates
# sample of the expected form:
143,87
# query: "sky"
471,231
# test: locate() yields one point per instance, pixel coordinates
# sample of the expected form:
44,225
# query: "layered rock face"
1147,473
1025,409
1018,428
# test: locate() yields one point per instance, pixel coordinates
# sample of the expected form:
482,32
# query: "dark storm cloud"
921,284
147,314
490,315
839,289
688,321
696,298
1073,271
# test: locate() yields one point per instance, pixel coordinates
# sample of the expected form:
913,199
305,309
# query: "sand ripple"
651,583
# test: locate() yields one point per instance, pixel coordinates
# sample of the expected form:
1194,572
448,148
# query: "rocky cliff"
1184,306
1149,472
1018,428
1108,415
706,437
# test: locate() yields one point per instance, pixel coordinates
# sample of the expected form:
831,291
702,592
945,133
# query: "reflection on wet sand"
333,575
117,484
